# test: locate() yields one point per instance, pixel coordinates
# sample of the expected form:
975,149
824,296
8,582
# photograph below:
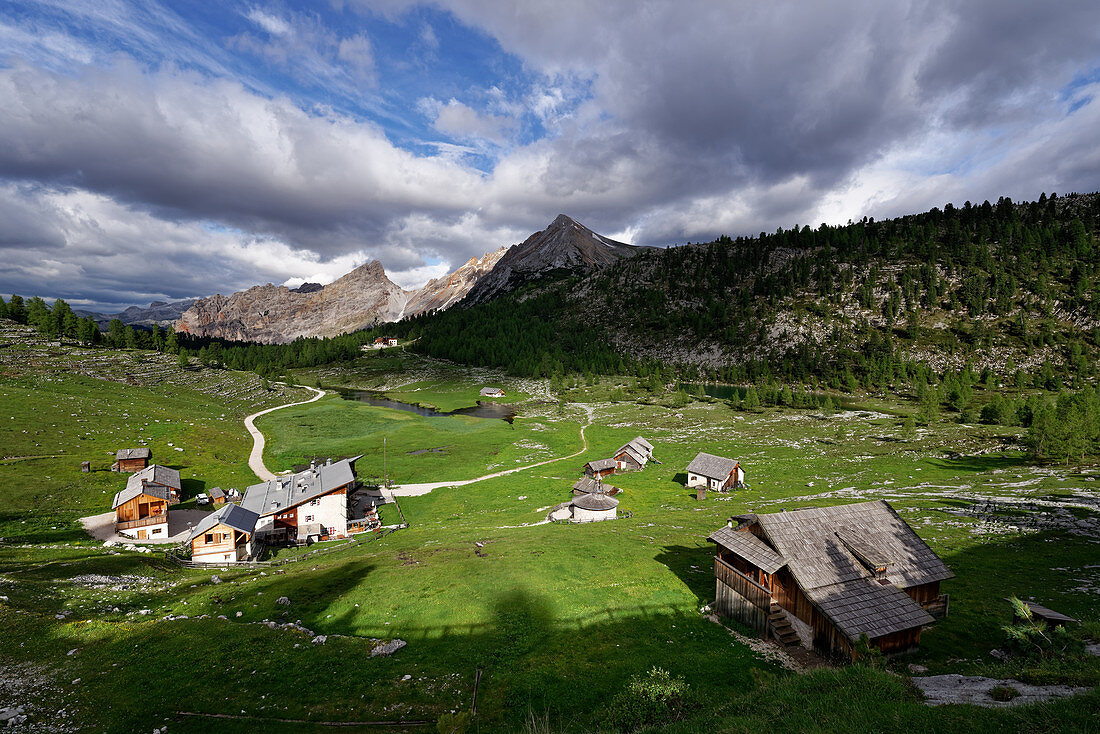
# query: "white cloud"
269,22
462,122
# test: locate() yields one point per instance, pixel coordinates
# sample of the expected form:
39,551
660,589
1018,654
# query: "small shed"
131,460
217,496
594,507
1046,615
492,392
633,455
716,473
600,468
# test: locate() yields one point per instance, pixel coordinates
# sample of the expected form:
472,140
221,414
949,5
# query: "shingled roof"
602,464
834,553
749,547
595,502
817,557
281,493
711,466
155,474
131,491
232,516
142,453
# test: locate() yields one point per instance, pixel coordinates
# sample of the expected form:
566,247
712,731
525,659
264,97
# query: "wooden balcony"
141,522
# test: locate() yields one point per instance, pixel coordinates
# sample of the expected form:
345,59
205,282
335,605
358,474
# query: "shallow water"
483,409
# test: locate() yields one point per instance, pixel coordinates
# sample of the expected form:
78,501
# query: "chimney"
312,464
329,462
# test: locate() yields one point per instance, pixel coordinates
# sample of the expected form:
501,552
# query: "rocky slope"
444,292
277,314
565,247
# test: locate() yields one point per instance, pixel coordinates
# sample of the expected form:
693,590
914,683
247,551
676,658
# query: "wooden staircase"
781,628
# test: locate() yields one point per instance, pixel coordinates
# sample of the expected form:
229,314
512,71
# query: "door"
142,535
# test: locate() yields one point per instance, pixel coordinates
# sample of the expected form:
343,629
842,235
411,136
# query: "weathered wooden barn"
827,576
600,468
131,460
633,455
716,473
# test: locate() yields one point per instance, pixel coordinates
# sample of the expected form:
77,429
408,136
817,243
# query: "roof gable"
749,547
711,466
156,474
153,491
232,516
818,557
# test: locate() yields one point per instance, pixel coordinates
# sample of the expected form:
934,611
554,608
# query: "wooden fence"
740,597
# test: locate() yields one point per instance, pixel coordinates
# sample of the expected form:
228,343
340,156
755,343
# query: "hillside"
1006,287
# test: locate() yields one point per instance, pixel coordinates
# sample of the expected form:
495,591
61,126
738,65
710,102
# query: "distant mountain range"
158,312
366,296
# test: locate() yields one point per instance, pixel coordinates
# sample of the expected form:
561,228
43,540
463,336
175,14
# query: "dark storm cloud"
664,122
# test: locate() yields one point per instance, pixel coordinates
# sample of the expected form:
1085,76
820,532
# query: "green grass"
466,447
558,617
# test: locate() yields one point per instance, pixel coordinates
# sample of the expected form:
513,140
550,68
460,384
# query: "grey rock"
283,600
215,579
388,648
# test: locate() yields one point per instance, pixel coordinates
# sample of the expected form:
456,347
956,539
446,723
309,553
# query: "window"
209,538
156,531
314,502
309,518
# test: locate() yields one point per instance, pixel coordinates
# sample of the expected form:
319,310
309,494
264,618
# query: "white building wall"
161,534
582,515
331,511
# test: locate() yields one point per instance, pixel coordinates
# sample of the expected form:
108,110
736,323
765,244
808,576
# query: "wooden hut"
827,576
600,468
716,473
492,392
156,475
131,460
586,485
633,455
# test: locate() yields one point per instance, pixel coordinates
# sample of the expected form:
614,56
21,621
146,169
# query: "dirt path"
415,490
256,458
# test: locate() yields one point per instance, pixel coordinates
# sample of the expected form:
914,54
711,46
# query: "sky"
167,150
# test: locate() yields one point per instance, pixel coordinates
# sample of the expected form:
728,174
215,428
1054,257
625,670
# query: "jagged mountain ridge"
366,296
277,314
566,246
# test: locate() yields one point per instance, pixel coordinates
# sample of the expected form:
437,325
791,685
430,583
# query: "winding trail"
415,490
256,458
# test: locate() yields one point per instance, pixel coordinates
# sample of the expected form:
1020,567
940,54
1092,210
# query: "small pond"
483,409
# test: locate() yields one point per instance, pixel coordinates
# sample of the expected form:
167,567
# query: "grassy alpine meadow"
557,618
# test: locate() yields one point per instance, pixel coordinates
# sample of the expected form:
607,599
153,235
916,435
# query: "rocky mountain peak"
564,246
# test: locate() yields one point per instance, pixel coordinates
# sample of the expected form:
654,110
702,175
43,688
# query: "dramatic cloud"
266,143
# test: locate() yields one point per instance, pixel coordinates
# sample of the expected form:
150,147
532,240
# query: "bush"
1031,637
1003,693
655,698
456,723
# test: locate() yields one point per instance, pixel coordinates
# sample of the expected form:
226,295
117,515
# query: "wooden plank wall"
740,597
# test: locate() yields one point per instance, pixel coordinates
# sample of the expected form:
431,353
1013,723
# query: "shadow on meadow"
42,529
